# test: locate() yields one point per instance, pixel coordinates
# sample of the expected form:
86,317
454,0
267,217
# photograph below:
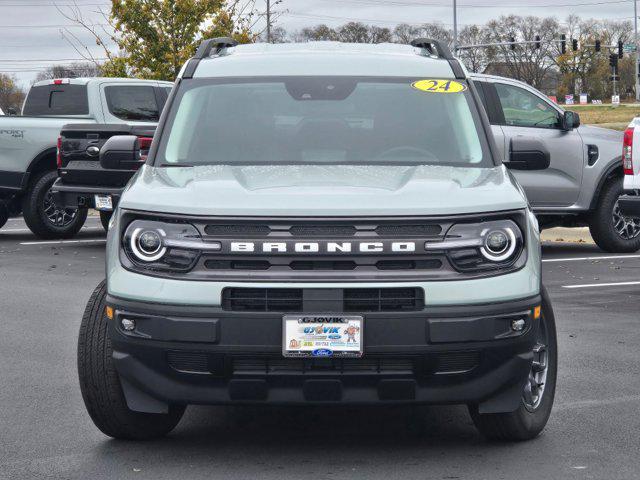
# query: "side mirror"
120,152
570,120
12,111
528,153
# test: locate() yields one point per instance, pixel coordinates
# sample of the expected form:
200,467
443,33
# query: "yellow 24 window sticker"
439,86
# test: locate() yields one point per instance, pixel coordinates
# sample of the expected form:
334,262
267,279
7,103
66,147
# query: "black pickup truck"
82,182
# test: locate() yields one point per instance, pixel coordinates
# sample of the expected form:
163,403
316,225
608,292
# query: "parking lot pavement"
45,431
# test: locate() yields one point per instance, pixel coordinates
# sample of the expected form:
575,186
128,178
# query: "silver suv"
582,185
321,223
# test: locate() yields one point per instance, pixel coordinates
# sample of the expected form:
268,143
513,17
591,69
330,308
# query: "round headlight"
146,244
499,245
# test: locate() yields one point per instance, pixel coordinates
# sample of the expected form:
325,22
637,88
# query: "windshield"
321,120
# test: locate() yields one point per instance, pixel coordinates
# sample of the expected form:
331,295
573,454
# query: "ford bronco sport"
321,223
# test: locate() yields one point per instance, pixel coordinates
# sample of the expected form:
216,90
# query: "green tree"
11,95
154,38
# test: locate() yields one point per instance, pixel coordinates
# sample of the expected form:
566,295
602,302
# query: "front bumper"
203,355
629,205
74,196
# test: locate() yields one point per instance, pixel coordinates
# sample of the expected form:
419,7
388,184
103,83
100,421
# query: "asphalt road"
45,432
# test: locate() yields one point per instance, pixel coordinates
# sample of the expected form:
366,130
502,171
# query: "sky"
35,33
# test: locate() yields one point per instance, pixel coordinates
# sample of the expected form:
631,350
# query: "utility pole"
635,23
268,21
455,26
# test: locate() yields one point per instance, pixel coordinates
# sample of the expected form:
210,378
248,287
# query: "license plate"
103,202
322,336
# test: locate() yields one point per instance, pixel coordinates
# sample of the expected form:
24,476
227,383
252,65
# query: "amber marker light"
536,312
109,312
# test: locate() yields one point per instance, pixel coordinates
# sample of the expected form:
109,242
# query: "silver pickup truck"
28,143
582,185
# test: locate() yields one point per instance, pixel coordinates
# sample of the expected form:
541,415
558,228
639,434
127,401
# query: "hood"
316,190
593,133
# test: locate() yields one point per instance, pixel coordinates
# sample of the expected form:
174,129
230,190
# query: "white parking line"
26,230
46,242
593,285
583,259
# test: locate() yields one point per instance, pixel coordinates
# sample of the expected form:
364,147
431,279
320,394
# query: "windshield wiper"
176,165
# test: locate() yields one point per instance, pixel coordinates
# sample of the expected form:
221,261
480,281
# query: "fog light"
517,325
128,324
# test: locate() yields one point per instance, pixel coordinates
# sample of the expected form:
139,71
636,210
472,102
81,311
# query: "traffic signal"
563,43
613,60
512,40
620,49
574,44
598,46
538,42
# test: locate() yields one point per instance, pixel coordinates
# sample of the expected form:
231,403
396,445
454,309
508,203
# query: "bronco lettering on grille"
326,247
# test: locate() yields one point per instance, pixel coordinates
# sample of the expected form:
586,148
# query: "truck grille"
346,300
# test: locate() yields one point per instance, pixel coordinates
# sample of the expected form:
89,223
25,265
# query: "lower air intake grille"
383,299
188,362
456,362
354,300
262,299
283,366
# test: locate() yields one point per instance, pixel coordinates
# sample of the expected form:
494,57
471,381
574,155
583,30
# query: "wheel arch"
45,161
612,171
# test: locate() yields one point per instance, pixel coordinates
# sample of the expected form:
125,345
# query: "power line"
467,5
70,25
52,60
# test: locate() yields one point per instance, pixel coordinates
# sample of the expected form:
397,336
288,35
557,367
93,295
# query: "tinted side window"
133,102
524,109
57,100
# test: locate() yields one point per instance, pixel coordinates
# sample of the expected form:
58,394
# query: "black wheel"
612,231
100,384
4,213
44,217
104,219
537,397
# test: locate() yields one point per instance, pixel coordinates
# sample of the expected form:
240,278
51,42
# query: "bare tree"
475,59
73,70
525,62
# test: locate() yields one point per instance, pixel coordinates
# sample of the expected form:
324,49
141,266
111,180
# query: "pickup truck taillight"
145,145
627,151
59,153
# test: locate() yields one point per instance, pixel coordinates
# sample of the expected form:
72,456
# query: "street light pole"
268,21
635,23
455,27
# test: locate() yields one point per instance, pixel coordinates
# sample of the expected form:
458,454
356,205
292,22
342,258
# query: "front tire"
100,383
612,231
530,418
45,218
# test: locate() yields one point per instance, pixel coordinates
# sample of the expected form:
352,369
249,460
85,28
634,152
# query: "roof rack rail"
441,50
215,45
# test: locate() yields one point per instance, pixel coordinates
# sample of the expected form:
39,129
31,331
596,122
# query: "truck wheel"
537,398
100,384
45,218
612,231
104,219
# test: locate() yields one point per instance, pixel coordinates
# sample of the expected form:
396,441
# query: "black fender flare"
610,172
37,164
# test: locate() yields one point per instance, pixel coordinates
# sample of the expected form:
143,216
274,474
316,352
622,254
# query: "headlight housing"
163,246
484,246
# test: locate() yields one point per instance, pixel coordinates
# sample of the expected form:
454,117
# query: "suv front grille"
353,300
